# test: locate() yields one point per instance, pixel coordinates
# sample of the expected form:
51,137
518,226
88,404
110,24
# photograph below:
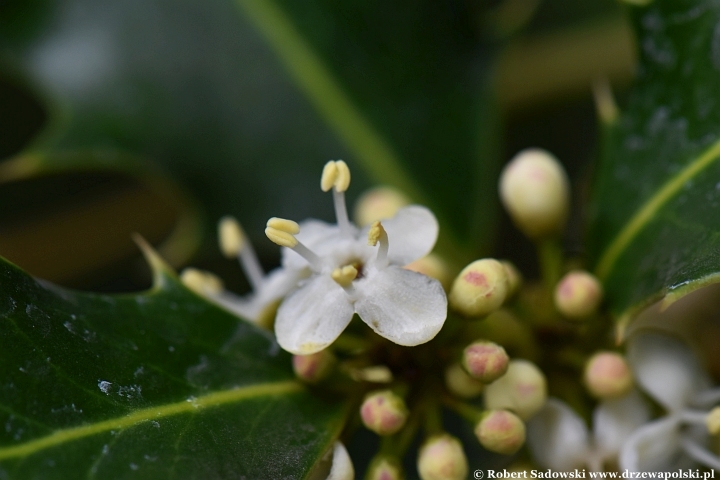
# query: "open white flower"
357,271
559,439
671,374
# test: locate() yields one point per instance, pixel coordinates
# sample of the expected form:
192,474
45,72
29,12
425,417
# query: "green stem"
468,412
551,262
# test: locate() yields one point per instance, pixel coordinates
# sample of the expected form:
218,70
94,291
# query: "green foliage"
655,209
155,385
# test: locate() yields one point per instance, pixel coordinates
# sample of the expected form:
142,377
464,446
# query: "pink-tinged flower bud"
534,190
314,367
514,277
385,468
442,458
578,295
460,384
523,390
607,375
432,266
485,361
501,432
379,203
383,412
480,288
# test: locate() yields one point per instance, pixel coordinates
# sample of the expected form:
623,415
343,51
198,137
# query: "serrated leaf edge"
193,405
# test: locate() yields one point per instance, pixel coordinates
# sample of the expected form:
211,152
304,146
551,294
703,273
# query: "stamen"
341,213
378,234
345,275
336,175
707,398
202,283
700,455
281,232
284,225
281,238
329,176
693,417
342,179
712,421
233,243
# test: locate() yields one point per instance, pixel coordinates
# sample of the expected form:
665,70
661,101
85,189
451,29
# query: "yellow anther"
287,226
345,275
329,176
342,181
713,421
280,237
200,282
230,236
375,234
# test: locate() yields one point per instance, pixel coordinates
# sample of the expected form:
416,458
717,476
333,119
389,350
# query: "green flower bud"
442,458
314,367
501,432
485,361
578,295
480,288
534,190
460,384
523,390
607,375
383,412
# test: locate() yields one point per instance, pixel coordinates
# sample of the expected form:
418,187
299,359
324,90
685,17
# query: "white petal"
313,316
342,467
314,234
666,368
654,447
557,437
412,234
405,307
614,421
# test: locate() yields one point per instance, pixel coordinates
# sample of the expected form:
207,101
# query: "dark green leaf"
655,217
155,385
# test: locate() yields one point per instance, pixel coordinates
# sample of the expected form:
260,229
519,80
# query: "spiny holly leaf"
154,385
655,219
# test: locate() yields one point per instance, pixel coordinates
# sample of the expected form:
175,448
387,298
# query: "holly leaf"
154,385
654,219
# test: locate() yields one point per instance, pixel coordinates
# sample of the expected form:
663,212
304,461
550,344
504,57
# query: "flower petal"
405,307
342,467
313,316
654,447
666,368
615,420
557,437
412,234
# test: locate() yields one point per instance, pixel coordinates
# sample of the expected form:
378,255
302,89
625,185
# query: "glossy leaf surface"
654,222
155,385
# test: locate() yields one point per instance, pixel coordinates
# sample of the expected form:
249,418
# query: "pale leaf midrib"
197,404
647,211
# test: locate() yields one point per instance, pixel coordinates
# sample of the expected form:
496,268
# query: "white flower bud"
578,295
460,384
485,361
314,367
379,203
534,190
523,390
385,468
501,432
442,458
480,288
607,375
383,412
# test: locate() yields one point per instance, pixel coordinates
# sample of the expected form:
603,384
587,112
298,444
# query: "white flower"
350,276
559,439
671,374
334,465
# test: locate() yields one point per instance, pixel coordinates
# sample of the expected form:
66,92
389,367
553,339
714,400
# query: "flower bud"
712,421
432,266
514,277
607,375
485,361
383,412
480,288
385,468
501,432
522,390
534,190
578,295
379,203
442,458
314,367
460,384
